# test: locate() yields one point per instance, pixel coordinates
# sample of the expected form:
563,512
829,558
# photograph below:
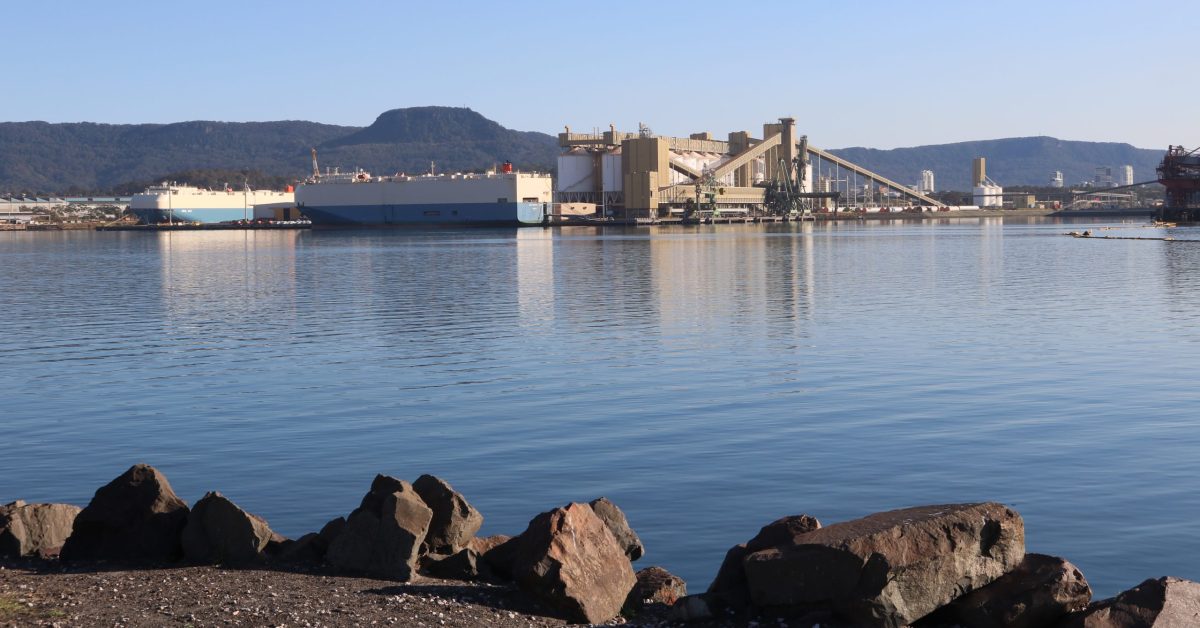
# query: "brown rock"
1162,603
892,568
35,529
729,588
310,548
569,559
655,585
455,521
619,526
383,536
782,532
219,532
463,565
484,544
501,557
1039,592
134,518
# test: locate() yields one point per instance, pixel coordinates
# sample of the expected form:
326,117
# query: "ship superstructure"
1179,172
493,198
171,203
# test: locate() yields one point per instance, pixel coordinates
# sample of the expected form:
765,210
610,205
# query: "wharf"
253,226
572,221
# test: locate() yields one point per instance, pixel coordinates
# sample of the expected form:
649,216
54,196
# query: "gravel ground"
46,593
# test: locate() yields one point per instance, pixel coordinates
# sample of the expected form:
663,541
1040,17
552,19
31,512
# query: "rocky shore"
138,555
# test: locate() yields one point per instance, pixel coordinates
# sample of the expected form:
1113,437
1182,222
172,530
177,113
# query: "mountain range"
73,158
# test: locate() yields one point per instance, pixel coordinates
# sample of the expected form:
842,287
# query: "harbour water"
707,380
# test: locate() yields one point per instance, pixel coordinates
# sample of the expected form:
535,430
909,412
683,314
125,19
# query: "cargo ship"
171,203
1179,172
501,198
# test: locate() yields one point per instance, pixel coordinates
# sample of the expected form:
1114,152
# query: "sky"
853,73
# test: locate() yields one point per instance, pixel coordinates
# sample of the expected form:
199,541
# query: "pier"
221,226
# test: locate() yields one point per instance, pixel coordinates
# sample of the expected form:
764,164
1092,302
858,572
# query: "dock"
251,226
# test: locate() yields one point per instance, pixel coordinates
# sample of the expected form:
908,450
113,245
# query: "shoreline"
409,554
568,221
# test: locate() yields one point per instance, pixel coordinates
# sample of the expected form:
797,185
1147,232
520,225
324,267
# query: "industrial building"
987,193
23,209
644,176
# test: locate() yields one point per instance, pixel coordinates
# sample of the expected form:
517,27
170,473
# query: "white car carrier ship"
504,198
172,203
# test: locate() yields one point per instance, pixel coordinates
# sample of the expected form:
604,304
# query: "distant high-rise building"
926,182
1126,175
1104,177
1056,179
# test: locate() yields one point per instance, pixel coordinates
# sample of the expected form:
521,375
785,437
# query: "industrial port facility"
641,176
610,177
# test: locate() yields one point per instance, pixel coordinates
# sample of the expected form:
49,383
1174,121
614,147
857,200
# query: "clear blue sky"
879,74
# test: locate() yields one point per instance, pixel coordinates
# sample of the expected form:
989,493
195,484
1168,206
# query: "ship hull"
154,216
1178,214
490,214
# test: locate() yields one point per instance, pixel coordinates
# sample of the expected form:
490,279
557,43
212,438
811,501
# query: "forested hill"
43,158
1012,161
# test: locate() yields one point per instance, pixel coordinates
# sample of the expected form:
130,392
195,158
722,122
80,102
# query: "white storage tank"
610,167
576,171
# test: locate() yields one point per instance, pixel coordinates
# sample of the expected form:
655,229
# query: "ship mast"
316,173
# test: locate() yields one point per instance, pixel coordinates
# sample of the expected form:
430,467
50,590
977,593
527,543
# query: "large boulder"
219,532
615,519
729,590
35,529
383,536
1039,592
455,521
891,568
782,531
134,518
568,558
1162,603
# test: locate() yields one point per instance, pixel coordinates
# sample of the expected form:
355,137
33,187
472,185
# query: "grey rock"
569,559
1156,603
1039,592
28,530
693,608
614,518
455,521
134,518
889,569
219,532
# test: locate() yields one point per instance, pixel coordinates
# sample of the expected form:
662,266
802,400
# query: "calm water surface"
708,380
